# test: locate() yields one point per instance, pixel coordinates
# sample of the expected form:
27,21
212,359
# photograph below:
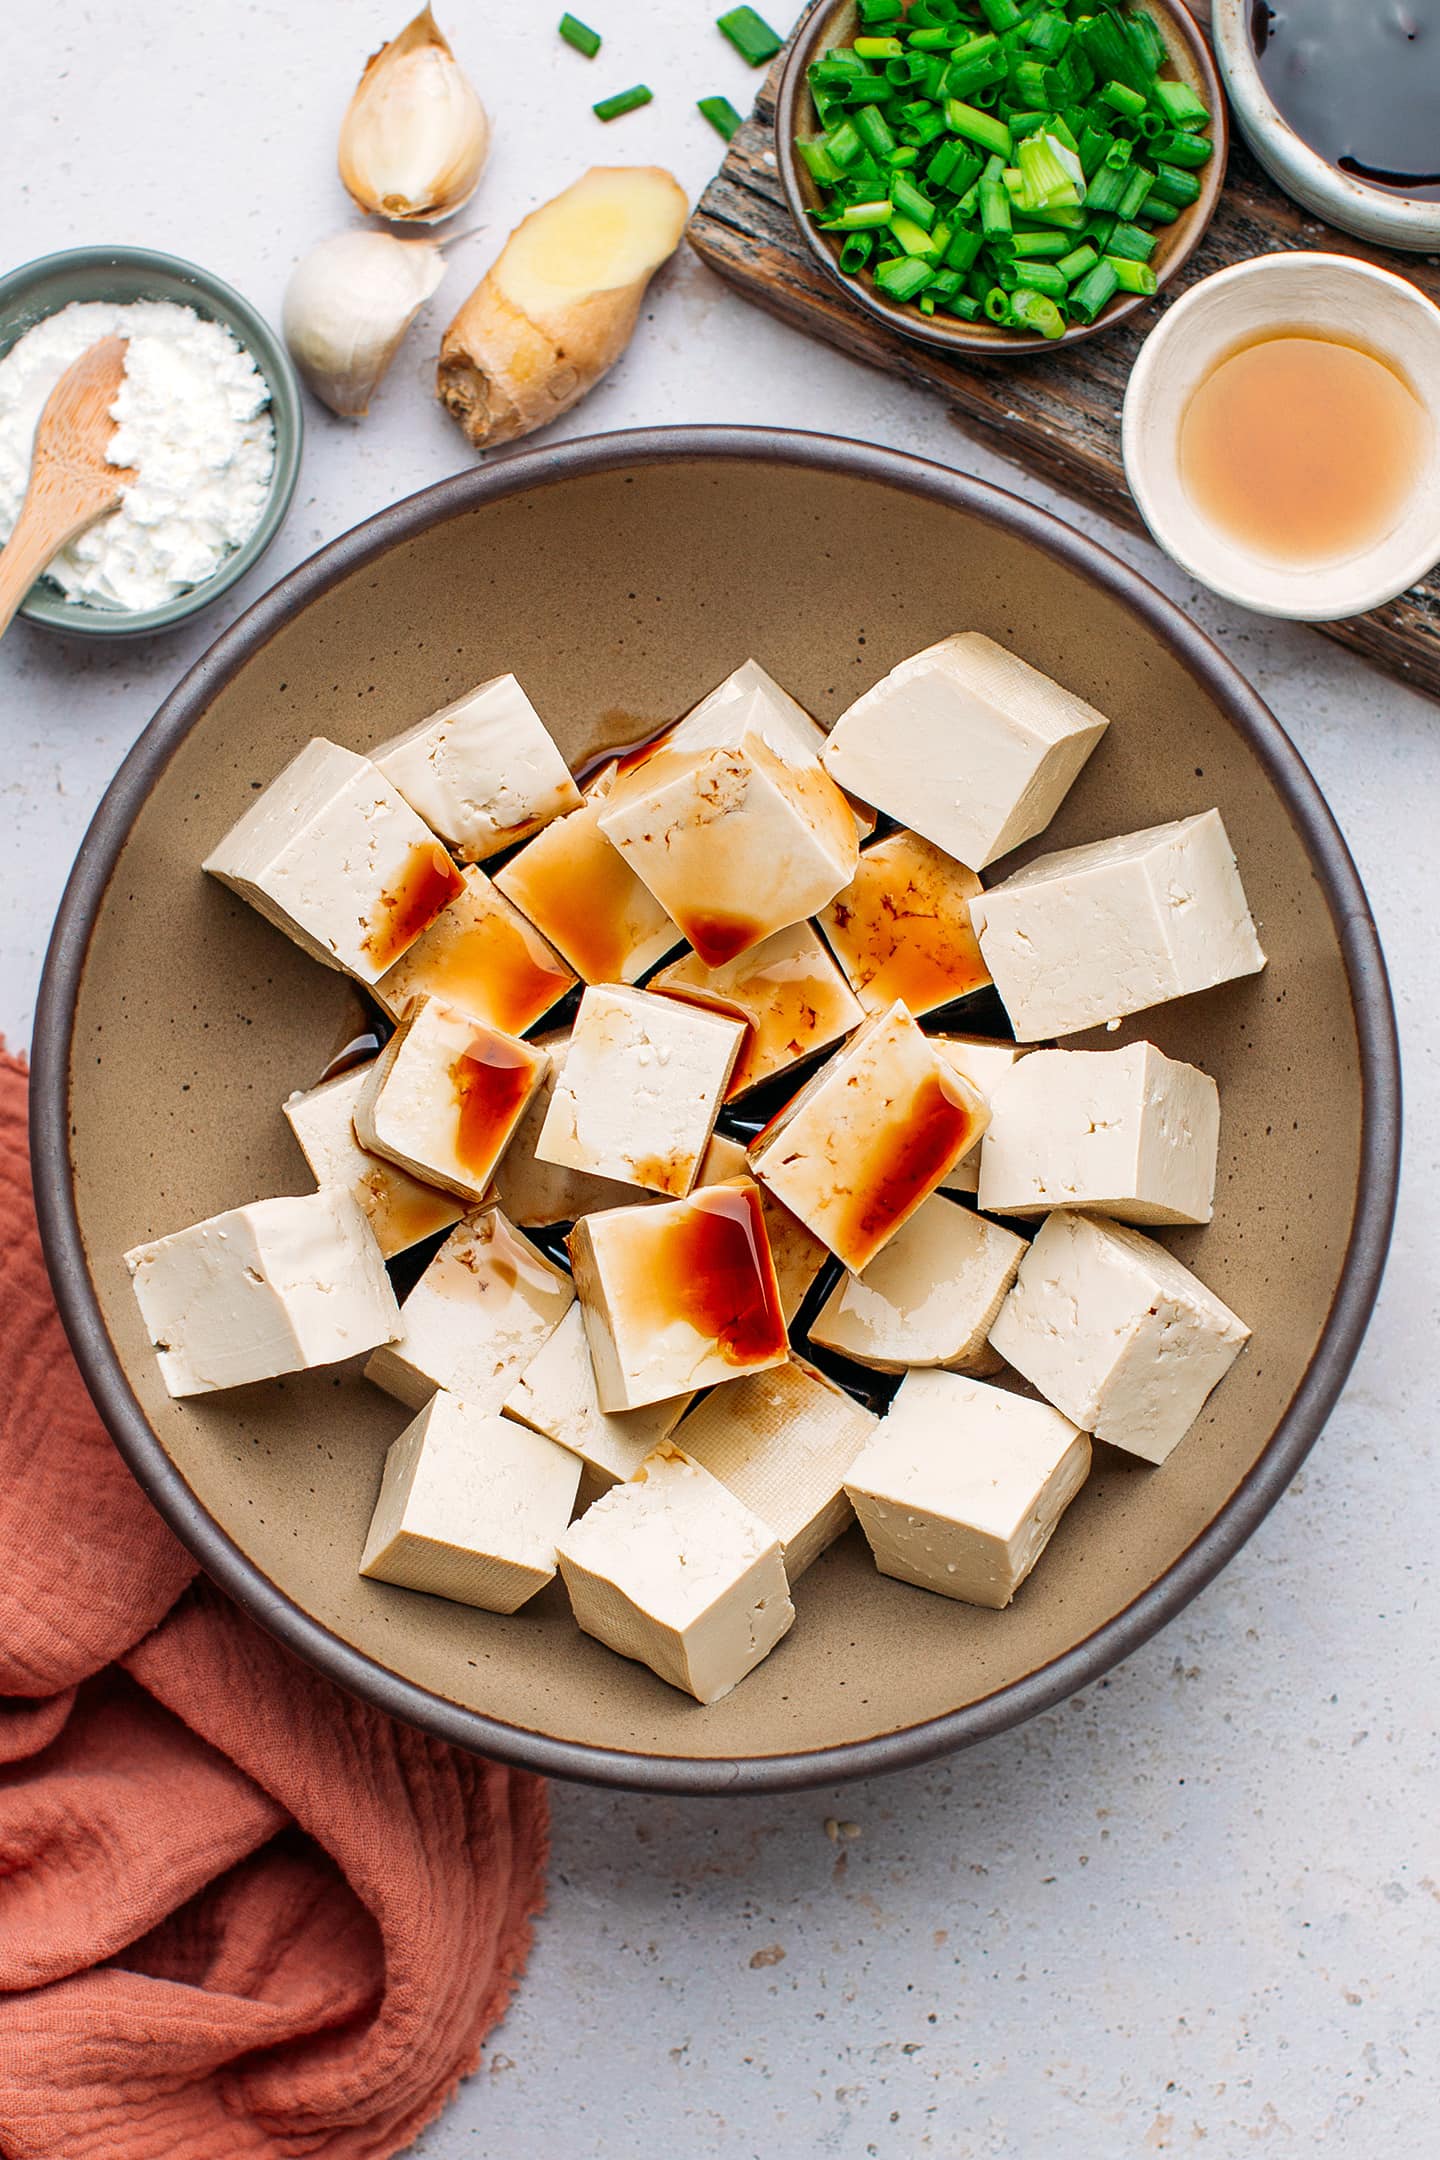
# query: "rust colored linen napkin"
242,1915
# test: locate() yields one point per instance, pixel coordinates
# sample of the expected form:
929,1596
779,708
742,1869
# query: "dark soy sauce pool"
1359,80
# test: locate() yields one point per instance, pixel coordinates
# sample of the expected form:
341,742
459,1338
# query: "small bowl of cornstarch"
207,417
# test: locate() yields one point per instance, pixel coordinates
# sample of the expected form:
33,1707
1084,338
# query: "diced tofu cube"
798,1256
869,1137
482,955
535,1193
672,1570
901,928
556,1396
471,1508
787,725
276,1287
963,1485
733,823
642,1082
784,1442
483,773
678,1296
787,989
1129,1133
930,1298
402,1211
1084,937
575,887
475,1319
966,744
984,1063
1117,1333
332,855
445,1097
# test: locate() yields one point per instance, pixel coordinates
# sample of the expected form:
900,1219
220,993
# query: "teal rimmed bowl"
126,274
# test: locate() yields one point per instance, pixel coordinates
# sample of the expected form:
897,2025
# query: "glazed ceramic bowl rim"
1401,221
950,334
1366,580
274,363
80,1309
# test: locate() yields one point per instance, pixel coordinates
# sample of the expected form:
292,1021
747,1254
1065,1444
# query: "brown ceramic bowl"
620,578
835,22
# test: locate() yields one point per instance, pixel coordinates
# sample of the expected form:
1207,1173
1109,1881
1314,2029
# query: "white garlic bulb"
347,307
415,138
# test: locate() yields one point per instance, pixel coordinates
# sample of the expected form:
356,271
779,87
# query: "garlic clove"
347,307
415,138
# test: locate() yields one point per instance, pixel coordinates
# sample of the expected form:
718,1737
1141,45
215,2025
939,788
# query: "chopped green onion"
1000,14
908,199
580,35
1036,311
1187,150
1125,101
913,238
723,117
859,217
878,48
1028,245
1180,105
817,157
750,34
874,130
1040,277
997,306
843,142
1132,277
1131,242
1095,291
624,101
1174,186
902,277
855,251
1076,263
1158,210
1138,182
977,126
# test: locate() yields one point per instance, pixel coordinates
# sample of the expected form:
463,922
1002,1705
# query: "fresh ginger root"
556,309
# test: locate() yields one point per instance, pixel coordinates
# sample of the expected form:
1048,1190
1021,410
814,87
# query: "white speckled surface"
1196,1909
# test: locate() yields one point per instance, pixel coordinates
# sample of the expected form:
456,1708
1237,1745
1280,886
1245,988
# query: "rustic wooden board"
1060,416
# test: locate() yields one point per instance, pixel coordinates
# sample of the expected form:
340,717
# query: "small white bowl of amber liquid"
1282,435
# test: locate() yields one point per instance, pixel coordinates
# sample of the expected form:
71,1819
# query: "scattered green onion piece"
1029,245
1134,277
1131,242
1174,186
1138,182
902,277
1077,262
723,117
855,251
860,217
909,201
879,48
1130,103
624,101
1180,105
750,34
1036,311
1186,150
1049,32
580,35
997,307
874,130
977,126
1095,291
1158,210
1040,277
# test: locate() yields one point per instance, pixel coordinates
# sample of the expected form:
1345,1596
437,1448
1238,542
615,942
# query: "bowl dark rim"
1086,1661
953,335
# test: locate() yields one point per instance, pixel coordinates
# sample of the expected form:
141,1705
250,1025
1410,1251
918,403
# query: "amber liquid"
1302,449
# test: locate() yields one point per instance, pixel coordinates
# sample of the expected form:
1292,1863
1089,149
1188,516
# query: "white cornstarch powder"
192,422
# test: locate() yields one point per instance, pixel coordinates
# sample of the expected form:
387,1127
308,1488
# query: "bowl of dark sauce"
1340,102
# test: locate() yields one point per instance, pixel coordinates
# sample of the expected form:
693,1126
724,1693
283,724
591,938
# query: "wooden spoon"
70,483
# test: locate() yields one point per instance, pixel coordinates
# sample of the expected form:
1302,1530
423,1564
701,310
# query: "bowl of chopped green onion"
1001,175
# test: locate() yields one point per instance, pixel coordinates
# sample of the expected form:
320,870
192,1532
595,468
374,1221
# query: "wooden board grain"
1061,416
